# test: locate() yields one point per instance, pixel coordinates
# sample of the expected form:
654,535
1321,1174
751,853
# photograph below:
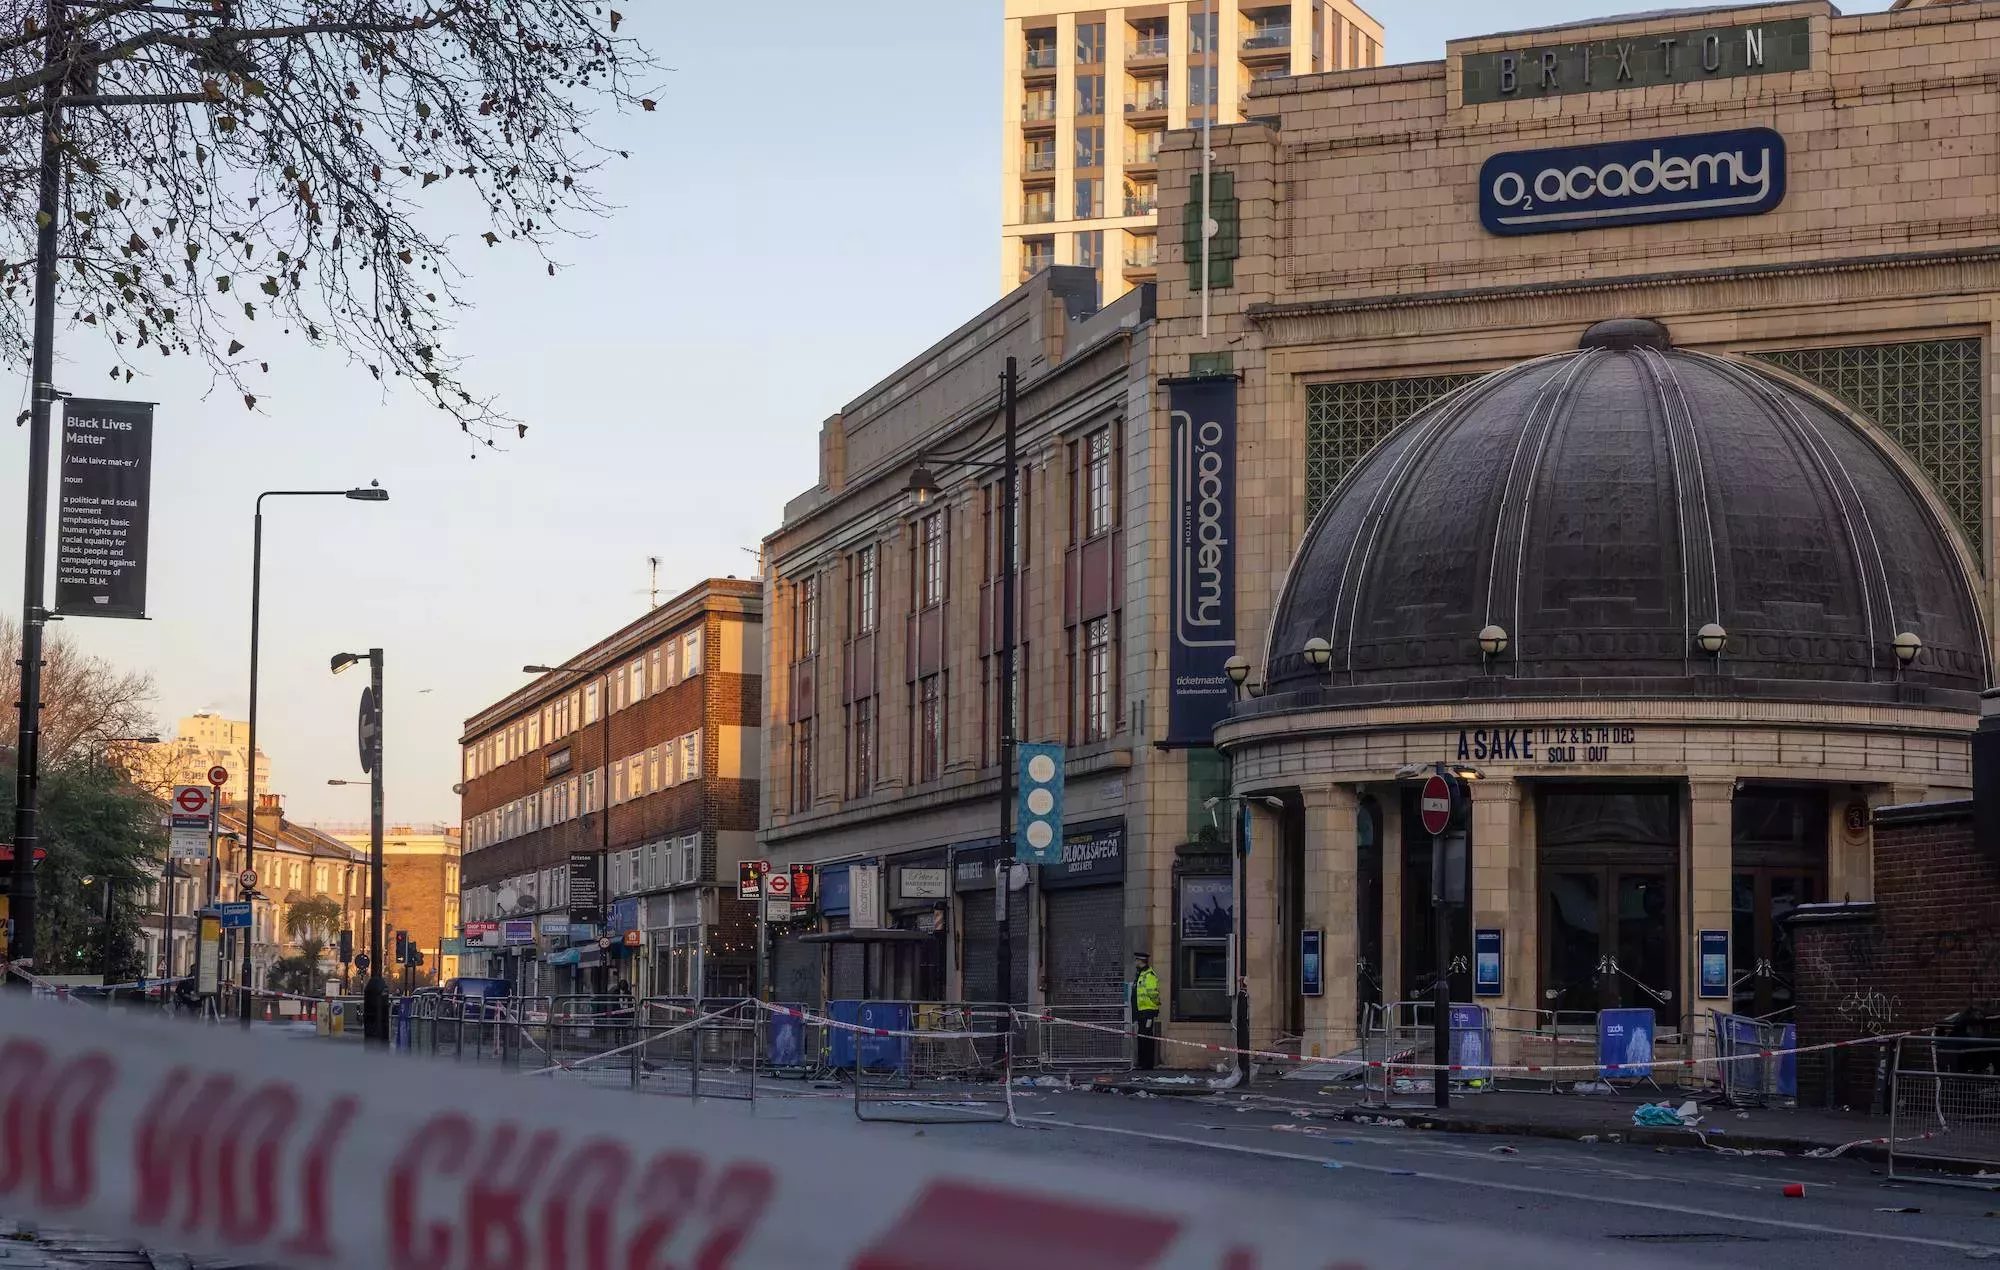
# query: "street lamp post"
1238,670
375,994
360,494
923,484
88,880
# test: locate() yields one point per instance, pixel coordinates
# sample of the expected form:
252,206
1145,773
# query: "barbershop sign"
1552,744
1738,173
1645,61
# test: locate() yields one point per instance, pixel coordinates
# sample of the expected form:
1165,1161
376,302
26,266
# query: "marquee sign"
1739,173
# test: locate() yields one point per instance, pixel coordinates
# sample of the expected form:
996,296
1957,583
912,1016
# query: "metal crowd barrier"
1746,1078
951,1062
1944,1104
1058,1046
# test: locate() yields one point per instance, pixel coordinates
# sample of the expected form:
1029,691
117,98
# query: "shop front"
1085,955
975,874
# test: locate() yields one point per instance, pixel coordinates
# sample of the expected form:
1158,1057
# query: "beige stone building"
203,741
1091,90
1701,574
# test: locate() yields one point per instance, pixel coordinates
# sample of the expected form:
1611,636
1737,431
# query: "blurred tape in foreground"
212,1140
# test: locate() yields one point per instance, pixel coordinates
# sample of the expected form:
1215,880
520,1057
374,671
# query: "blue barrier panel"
787,1039
885,1053
840,1041
1625,1042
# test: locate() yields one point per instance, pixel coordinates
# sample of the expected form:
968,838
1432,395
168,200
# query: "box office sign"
104,506
1202,571
1644,182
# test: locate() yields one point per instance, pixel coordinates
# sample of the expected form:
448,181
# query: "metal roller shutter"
846,967
795,971
981,946
1086,945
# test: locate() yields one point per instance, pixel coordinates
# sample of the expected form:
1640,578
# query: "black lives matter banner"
104,501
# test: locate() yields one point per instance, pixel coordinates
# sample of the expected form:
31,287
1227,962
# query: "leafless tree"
241,169
86,701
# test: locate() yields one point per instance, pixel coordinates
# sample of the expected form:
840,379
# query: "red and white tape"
1485,1069
860,1029
207,1140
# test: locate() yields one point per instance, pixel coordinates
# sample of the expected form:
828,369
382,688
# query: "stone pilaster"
1329,905
1711,861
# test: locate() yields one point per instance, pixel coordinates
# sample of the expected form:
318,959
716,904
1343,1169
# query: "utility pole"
42,393
375,997
1004,949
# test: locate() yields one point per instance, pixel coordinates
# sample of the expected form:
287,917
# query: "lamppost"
89,880
923,485
375,995
371,493
1238,670
603,797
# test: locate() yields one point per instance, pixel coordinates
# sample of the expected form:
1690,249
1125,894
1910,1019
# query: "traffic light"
346,946
402,947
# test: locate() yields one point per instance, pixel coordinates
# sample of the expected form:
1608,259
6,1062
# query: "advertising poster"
1471,1042
104,505
1312,974
1207,906
1714,945
1625,1041
1201,578
1486,970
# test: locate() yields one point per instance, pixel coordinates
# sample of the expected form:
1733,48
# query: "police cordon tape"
213,1140
1481,1068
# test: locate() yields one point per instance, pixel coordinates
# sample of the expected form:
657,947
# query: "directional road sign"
235,915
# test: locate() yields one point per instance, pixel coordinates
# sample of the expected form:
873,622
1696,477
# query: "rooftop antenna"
759,553
653,588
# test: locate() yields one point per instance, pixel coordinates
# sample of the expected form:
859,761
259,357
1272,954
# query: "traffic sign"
218,776
236,915
1434,804
361,961
247,879
193,800
370,730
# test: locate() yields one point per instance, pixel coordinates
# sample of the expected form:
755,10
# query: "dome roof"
1600,508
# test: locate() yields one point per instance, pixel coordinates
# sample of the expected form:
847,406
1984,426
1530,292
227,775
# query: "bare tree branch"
273,168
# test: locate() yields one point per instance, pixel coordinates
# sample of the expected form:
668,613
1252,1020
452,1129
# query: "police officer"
1146,1009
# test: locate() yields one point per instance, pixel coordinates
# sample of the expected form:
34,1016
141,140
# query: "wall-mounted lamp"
1711,639
1319,653
1492,640
1908,645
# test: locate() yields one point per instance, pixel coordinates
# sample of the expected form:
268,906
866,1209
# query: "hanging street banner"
1202,573
104,501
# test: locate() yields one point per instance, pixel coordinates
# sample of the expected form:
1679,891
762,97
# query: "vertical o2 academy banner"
104,500
1202,572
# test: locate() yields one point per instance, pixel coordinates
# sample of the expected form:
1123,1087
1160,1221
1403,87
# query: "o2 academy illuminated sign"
1740,173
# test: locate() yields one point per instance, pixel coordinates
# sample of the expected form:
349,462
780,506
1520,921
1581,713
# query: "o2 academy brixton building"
1605,411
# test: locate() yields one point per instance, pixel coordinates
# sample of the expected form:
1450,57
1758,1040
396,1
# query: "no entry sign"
1434,805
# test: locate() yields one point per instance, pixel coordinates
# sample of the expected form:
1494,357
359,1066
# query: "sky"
816,200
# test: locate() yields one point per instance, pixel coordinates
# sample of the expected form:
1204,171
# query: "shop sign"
633,939
481,934
1739,173
1674,57
1558,744
1091,855
924,884
972,867
517,931
555,927
1201,577
624,915
864,898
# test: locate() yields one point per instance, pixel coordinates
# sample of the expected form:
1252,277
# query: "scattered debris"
1402,1172
1331,1164
1795,1190
1502,1151
1588,1137
1303,1114
1591,1087
1899,1210
1140,1093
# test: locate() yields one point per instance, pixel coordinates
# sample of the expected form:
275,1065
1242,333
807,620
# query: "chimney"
270,813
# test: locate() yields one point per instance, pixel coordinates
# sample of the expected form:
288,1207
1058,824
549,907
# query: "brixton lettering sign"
1738,173
1640,61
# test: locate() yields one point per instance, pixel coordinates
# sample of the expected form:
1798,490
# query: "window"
1149,93
1201,35
589,802
636,673
1098,495
690,654
1090,147
545,723
618,698
802,765
1089,43
1089,95
806,618
990,729
932,564
930,729
1090,246
866,591
861,747
653,782
1201,87
691,756
1089,198
573,713
671,663
590,700
635,775
1041,49
1039,106
1094,682
617,783
1142,197
1144,148
1038,207
655,668
689,863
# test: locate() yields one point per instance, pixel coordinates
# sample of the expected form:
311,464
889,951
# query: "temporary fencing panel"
947,1063
1088,963
1944,1103
1085,1037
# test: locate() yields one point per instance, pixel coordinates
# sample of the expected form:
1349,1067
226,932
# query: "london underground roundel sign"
1434,805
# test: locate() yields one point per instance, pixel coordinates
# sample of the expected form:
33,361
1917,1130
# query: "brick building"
630,771
420,879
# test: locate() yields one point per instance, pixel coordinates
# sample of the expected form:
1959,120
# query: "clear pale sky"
816,200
